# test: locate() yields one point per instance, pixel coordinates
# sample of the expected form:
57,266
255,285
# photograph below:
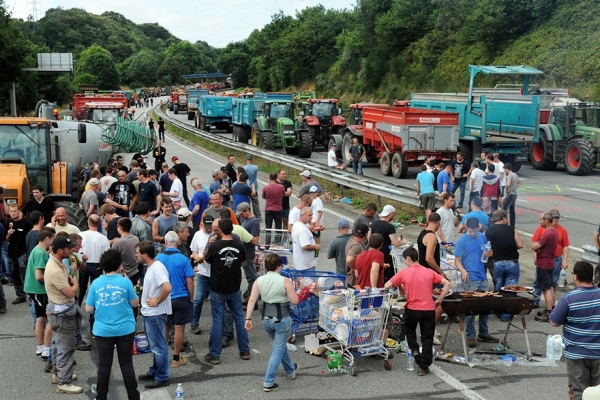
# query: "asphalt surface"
23,376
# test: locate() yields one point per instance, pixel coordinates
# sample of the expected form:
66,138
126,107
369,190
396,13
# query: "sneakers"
2,310
437,334
436,341
225,343
488,339
472,342
196,330
55,378
182,361
69,389
545,317
83,346
45,354
271,388
423,372
19,300
48,367
245,355
156,384
212,360
293,375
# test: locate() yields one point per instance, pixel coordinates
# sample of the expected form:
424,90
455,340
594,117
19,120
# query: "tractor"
322,118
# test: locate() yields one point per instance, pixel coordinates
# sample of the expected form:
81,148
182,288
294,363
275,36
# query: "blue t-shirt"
442,178
179,268
252,171
480,215
425,179
110,296
214,186
470,250
201,199
241,193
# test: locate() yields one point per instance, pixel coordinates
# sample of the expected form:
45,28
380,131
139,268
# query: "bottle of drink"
550,348
562,278
179,391
410,361
557,346
487,247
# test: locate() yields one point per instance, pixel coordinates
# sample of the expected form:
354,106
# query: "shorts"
428,201
40,302
544,278
182,311
285,213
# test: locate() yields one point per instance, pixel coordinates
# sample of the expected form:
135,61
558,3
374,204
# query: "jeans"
279,333
480,286
154,326
89,274
105,361
555,275
462,185
250,272
256,207
2,297
5,263
582,374
509,205
161,136
18,266
506,273
426,322
217,306
357,167
472,194
63,347
202,292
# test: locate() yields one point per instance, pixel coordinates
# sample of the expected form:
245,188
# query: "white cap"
306,173
387,210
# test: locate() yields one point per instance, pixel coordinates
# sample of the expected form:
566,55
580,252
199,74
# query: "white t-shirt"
294,215
500,170
447,223
156,275
331,159
106,182
176,186
199,242
317,205
477,175
94,244
302,236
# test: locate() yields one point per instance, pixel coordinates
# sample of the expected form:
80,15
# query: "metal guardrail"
347,179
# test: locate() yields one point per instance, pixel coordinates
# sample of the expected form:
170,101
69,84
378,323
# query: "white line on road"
524,201
455,383
584,191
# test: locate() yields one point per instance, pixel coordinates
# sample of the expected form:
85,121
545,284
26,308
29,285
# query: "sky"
217,22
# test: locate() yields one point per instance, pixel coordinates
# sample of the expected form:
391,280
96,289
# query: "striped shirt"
579,312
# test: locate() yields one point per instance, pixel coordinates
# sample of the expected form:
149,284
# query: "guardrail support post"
378,201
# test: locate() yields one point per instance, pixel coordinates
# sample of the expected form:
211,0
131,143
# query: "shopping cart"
398,258
279,238
308,284
276,241
356,319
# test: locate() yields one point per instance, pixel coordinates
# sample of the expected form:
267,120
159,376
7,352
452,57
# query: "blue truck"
268,121
193,103
503,123
214,111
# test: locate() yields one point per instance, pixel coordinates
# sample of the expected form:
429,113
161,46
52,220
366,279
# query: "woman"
277,293
110,298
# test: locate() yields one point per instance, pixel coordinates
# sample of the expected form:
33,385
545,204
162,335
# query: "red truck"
99,107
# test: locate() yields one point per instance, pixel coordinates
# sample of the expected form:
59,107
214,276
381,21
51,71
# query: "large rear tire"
307,143
346,144
242,134
190,116
255,134
314,133
541,154
579,157
466,149
267,140
399,166
386,163
176,109
75,215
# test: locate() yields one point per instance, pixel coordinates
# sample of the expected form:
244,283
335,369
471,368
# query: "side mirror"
81,133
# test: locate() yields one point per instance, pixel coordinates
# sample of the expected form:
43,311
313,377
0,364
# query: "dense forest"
379,50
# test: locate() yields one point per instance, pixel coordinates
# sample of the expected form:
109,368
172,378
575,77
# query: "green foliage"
85,78
141,67
98,62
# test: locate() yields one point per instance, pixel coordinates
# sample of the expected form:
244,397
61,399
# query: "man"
354,247
285,201
199,244
331,157
161,129
460,174
133,170
62,314
491,186
486,207
89,201
147,191
107,180
449,218
59,222
417,282
216,205
181,276
156,306
241,192
367,216
164,182
152,178
578,311
444,183
476,212
500,172
305,201
32,238
199,202
34,287
182,171
357,153
230,168
121,165
435,170
159,154
337,248
124,193
506,242
476,182
164,222
227,183
16,236
468,252
544,258
126,244
252,171
425,192
303,242
225,257
307,183
110,218
175,194
429,246
369,264
45,205
318,210
384,227
510,197
216,185
251,224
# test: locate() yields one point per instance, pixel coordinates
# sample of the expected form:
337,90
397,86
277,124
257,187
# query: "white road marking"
521,200
584,191
455,383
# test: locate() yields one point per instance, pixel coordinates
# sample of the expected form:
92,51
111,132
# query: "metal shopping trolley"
356,319
276,241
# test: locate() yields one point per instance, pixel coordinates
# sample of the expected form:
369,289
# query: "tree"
141,67
98,62
235,60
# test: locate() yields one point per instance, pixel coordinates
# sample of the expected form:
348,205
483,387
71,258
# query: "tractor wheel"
467,150
386,163
337,139
206,126
196,121
399,166
170,106
541,154
346,144
267,140
579,157
229,128
190,116
176,109
255,134
307,143
314,133
242,134
75,215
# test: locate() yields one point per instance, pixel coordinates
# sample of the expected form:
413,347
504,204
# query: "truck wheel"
399,166
176,109
196,121
229,128
541,154
337,139
190,116
242,134
267,140
255,134
314,131
307,143
346,144
75,215
467,150
386,164
579,157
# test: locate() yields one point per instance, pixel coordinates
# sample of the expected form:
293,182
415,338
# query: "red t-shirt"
363,265
545,255
563,238
418,284
273,195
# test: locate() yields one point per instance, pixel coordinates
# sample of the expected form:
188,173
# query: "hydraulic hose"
131,136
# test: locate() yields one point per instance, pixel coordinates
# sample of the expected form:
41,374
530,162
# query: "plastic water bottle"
179,391
487,247
558,346
550,348
562,278
410,361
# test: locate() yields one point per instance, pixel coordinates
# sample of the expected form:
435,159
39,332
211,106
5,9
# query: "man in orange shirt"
561,255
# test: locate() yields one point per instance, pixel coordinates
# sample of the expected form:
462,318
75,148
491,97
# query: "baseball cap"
174,158
94,181
242,207
63,242
306,173
361,229
554,213
248,156
343,223
387,210
313,189
208,220
184,212
333,144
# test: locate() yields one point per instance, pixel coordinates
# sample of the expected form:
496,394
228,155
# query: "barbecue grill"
520,303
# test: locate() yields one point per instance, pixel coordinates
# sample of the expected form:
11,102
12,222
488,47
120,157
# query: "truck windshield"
105,115
30,145
183,97
322,109
586,116
282,110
